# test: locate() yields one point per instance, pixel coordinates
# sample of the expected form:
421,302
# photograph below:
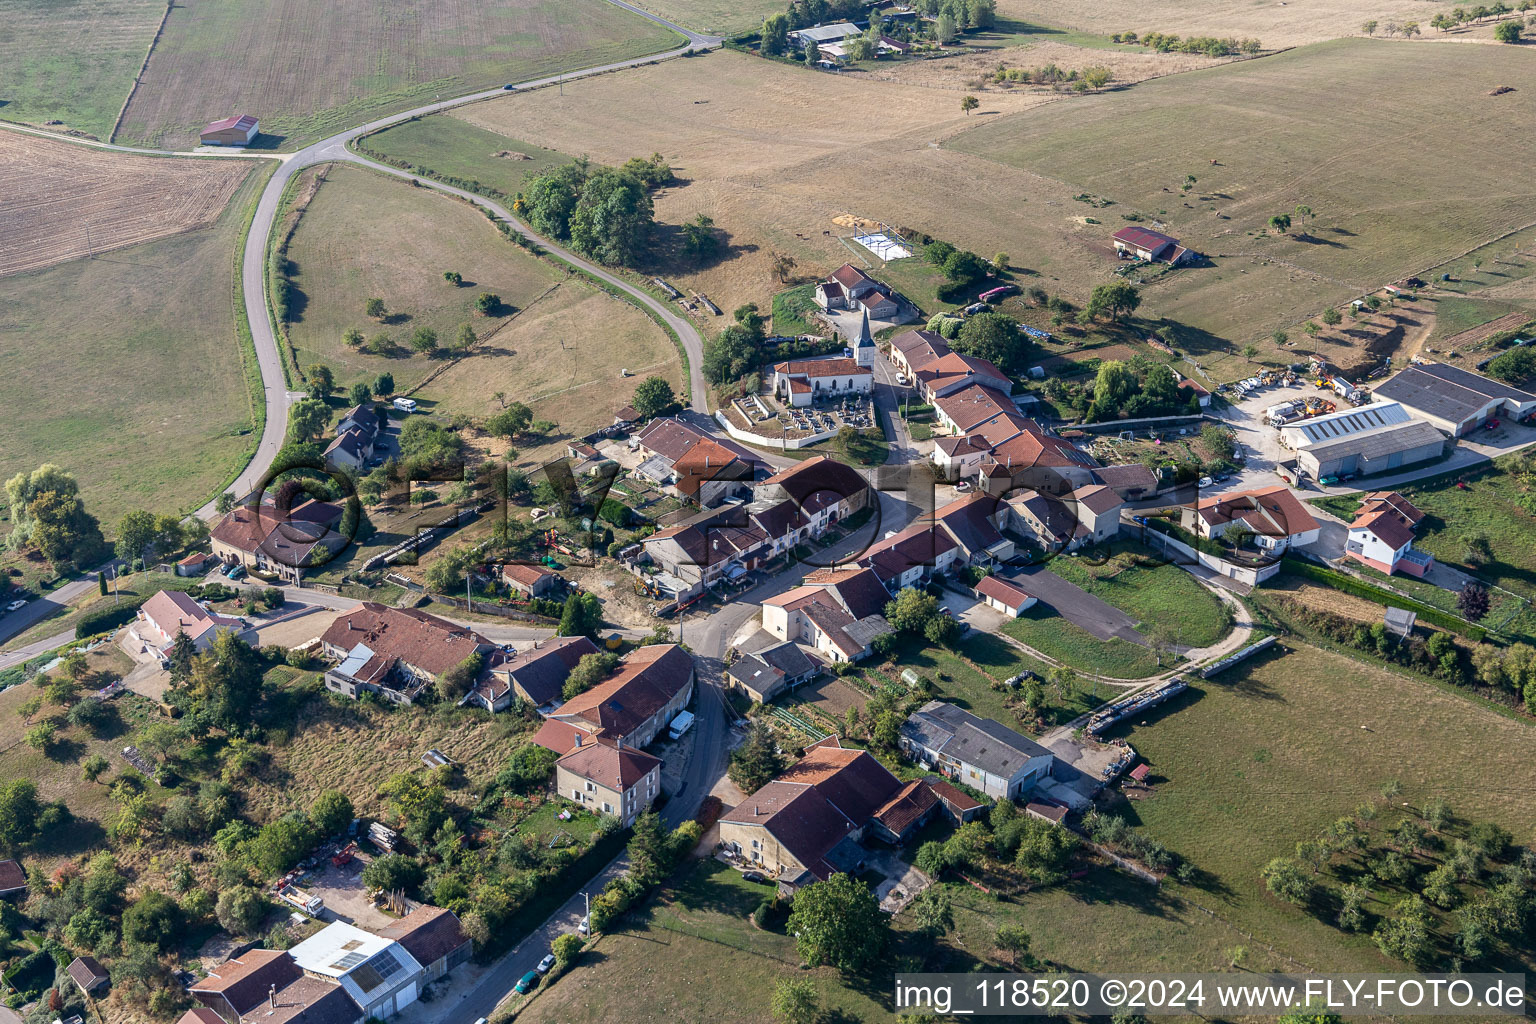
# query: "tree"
241,910
1280,337
1406,934
453,277
699,237
775,35
1507,31
795,1001
612,219
550,198
969,103
457,680
1013,940
963,266
757,761
933,911
1044,850
465,338
1113,386
392,872
1331,317
331,813
487,303
153,920
374,309
308,419
61,530
424,339
360,393
1117,299
224,686
353,337
911,610
1369,28
384,384
945,30
582,616
783,263
321,380
995,338
653,397
566,948
135,531
838,922
41,736
731,354
1287,881
1476,549
93,767
590,670
1250,350
1473,602
511,422
1281,223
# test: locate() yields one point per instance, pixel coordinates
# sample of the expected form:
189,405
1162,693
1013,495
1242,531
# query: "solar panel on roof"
348,962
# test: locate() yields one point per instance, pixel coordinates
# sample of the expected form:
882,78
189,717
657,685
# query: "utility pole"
469,596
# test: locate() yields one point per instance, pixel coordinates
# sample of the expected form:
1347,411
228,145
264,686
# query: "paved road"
1079,607
37,609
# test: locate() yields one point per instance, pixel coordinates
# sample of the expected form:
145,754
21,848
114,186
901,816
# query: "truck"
311,905
1282,413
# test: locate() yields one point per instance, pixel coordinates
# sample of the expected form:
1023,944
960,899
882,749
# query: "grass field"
72,62
1050,634
124,370
1289,24
1152,593
1383,208
966,675
309,70
722,17
451,147
559,348
66,201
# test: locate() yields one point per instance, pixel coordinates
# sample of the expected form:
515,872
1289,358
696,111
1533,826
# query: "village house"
88,975
536,675
356,435
838,612
13,880
263,538
238,130
850,288
799,382
377,973
696,466
434,937
270,985
394,653
170,612
1274,516
978,752
651,685
1133,242
609,778
765,674
1382,535
530,580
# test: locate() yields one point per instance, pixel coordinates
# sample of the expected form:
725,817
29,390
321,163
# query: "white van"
405,404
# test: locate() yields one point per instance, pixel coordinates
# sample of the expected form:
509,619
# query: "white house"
1382,535
1276,518
170,612
979,752
378,973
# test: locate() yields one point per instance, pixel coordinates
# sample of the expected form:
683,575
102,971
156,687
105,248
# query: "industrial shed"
1456,400
1326,429
239,130
1374,451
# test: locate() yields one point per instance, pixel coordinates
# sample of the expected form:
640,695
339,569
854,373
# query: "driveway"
1079,607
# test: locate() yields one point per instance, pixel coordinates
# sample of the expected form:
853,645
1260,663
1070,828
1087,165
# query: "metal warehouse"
1327,429
1376,450
1456,400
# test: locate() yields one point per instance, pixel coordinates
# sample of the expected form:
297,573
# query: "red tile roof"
245,980
1144,238
953,795
837,367
856,783
850,276
200,1015
1391,499
973,405
1387,525
12,876
646,680
907,807
427,933
609,766
527,575
560,736
244,122
424,641
1270,511
1007,592
803,820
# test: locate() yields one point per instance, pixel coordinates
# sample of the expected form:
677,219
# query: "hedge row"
1359,588
105,620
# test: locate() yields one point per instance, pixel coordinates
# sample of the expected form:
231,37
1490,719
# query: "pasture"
1390,202
1294,23
65,201
309,70
768,152
125,370
721,17
449,147
556,343
74,62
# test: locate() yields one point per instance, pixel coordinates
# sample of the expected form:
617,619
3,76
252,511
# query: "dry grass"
64,201
962,72
1275,24
125,369
72,62
723,17
308,70
773,155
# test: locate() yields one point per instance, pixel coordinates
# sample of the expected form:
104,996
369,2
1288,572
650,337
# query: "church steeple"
864,348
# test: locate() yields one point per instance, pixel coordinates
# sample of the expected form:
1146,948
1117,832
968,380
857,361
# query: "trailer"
1127,707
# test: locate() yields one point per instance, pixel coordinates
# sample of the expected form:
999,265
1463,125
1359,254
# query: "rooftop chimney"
272,996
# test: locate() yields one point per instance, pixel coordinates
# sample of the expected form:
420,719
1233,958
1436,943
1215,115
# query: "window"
607,808
576,794
591,788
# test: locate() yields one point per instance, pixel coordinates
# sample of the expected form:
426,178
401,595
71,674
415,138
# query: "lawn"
73,63
1050,634
1291,152
1454,314
125,370
722,17
556,343
450,148
790,308
311,70
1152,592
1302,738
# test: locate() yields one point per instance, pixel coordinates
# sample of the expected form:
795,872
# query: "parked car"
584,926
236,572
1205,481
546,963
527,983
15,606
754,876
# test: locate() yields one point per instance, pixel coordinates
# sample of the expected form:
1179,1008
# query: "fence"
491,608
1242,574
781,443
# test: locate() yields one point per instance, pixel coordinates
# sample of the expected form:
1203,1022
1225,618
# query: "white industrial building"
1455,400
377,972
1371,439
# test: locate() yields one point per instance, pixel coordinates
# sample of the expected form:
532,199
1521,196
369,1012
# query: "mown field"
72,62
1050,634
722,17
125,369
65,201
1155,594
450,147
309,70
557,344
1389,201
